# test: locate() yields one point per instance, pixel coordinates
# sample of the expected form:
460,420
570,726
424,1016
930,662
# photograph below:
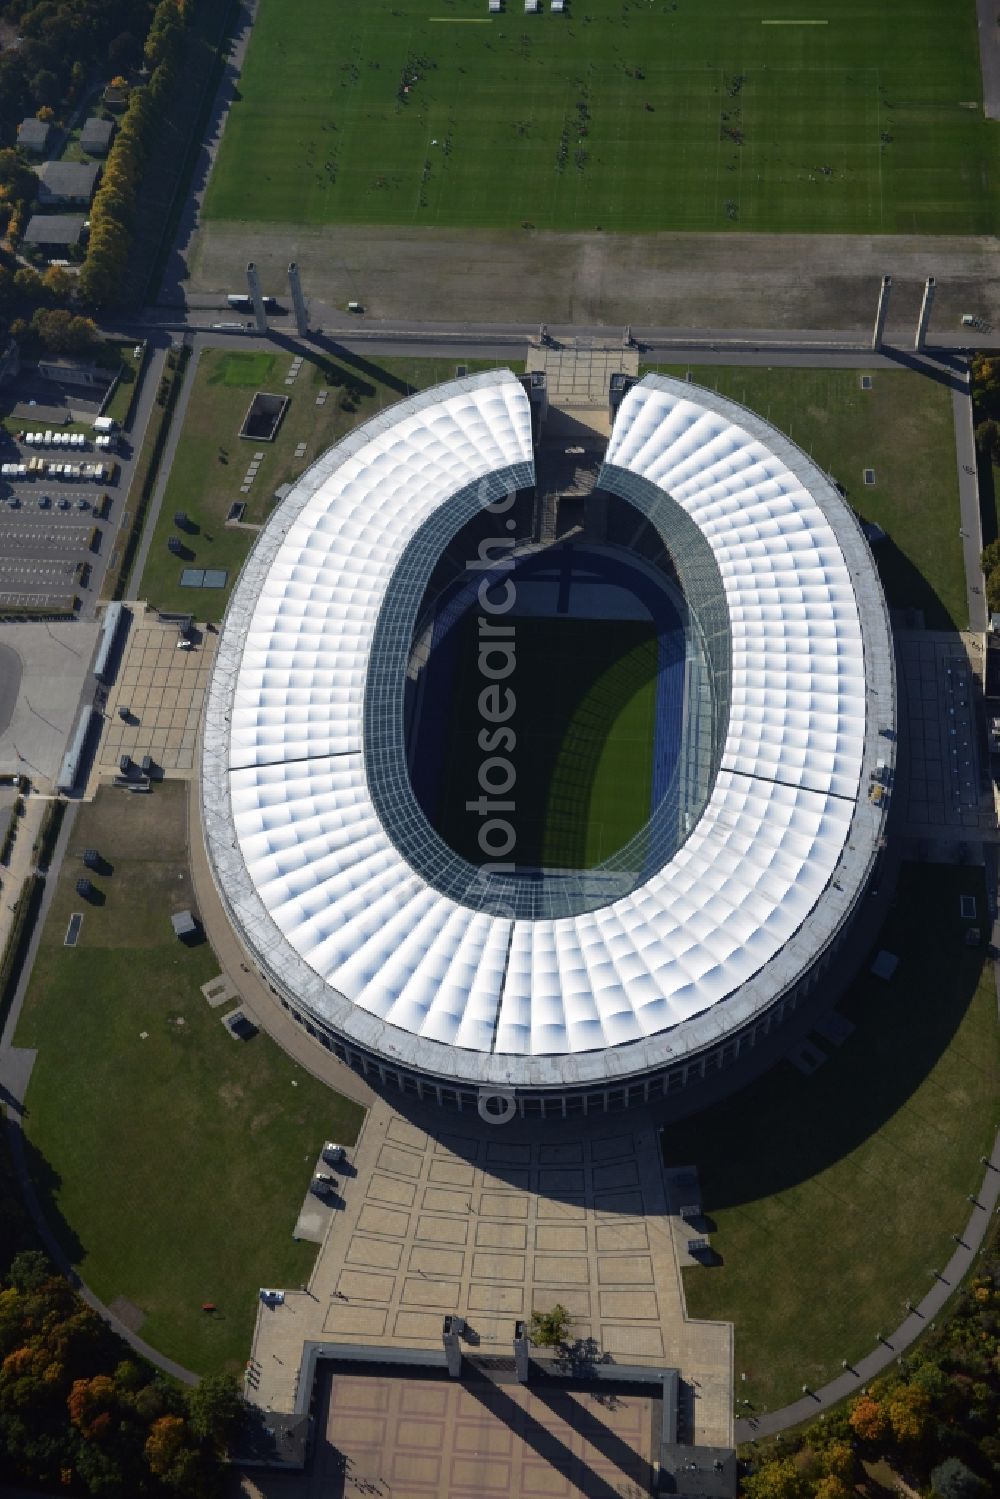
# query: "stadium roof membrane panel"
317,883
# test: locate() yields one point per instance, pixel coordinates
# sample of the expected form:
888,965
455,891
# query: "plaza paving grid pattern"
415,1438
614,115
163,689
494,1229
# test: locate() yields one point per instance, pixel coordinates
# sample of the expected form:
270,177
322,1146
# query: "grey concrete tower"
521,1353
256,297
925,312
883,308
298,300
452,1347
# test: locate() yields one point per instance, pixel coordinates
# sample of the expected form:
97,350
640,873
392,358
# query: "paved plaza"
163,689
581,376
413,1438
938,697
46,670
493,1228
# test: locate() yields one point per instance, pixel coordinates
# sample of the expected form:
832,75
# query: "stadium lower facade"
546,988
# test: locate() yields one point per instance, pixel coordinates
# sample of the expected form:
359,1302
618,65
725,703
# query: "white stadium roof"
317,884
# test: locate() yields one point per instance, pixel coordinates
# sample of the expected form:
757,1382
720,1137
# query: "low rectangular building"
64,184
95,137
54,232
74,372
33,135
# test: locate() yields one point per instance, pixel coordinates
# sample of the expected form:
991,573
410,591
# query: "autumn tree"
867,1418
832,1487
28,283
58,283
91,1404
214,1407
838,1461
907,1409
29,1271
776,1478
16,177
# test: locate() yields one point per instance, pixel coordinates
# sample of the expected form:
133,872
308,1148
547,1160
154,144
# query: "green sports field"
789,115
585,693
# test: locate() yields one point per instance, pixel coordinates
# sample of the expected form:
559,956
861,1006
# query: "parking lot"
50,546
47,528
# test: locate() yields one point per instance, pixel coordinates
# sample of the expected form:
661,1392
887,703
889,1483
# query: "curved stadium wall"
634,981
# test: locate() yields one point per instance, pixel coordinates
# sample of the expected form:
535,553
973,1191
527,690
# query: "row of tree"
935,1420
112,213
78,1411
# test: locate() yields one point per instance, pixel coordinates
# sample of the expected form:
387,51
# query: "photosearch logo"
497,661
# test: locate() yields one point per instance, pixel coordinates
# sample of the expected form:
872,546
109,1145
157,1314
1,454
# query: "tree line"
112,213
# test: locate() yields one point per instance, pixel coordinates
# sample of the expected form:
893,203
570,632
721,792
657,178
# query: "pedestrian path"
891,1344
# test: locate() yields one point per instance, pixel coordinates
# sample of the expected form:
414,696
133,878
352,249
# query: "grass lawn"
835,1196
617,115
119,406
211,461
171,1159
903,429
585,695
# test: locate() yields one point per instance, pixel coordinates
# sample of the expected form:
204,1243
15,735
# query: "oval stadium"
541,791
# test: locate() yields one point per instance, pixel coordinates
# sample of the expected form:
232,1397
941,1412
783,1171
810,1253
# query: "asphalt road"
487,340
989,56
10,684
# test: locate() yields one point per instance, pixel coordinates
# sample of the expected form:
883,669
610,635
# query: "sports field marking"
464,20
795,23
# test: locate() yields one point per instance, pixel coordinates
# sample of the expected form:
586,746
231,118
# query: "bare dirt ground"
730,281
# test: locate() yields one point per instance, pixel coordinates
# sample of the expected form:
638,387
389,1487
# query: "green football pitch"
789,115
585,712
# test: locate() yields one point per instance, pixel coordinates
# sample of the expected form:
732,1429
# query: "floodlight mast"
880,316
930,286
298,300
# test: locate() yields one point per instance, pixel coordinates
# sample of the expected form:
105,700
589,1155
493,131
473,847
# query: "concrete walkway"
968,498
893,1343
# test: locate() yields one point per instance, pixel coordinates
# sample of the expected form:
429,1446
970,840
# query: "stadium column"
256,297
298,300
883,308
925,313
